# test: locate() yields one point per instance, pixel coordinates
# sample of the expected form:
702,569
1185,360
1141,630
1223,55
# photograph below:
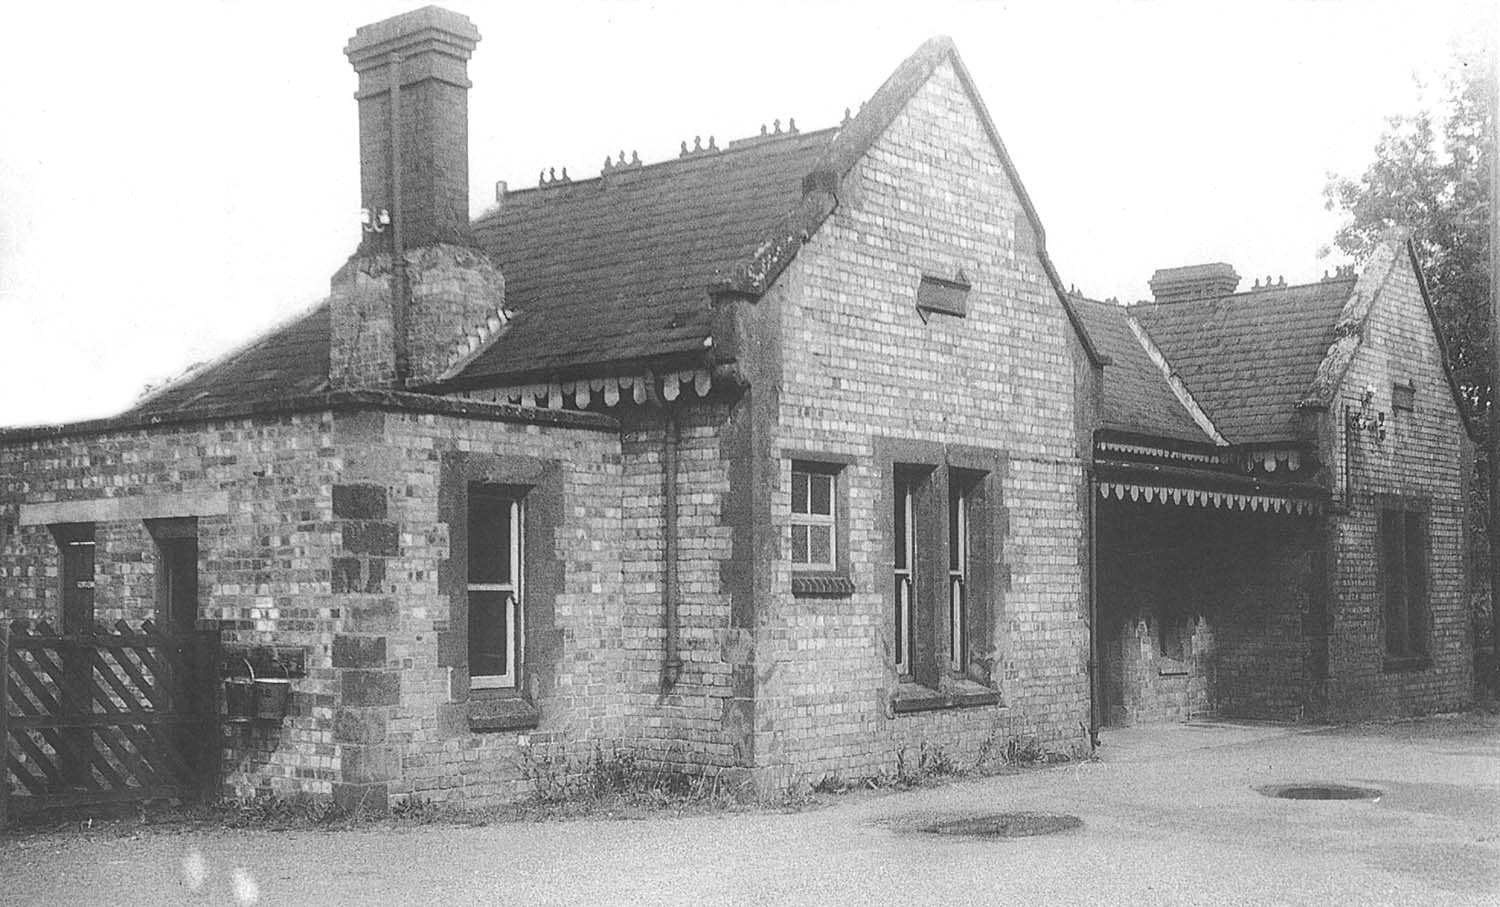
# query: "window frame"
904,555
829,579
941,652
810,520
514,602
77,543
958,573
176,544
1409,644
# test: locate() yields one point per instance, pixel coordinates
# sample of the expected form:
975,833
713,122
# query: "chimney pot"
1204,281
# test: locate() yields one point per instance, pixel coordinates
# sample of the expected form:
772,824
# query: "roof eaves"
672,360
202,368
326,401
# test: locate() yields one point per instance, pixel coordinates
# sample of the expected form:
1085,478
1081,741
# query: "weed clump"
614,779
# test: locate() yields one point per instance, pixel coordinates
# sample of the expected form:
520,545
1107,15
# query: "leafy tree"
1431,175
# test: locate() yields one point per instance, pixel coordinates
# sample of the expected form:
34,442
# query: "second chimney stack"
1194,282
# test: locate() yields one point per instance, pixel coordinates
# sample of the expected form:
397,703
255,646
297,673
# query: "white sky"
175,177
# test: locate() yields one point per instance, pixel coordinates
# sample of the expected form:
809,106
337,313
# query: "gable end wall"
1420,463
865,381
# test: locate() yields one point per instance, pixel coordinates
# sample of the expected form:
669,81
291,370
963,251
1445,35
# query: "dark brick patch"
374,616
372,537
364,688
359,726
358,651
347,575
359,502
452,649
374,576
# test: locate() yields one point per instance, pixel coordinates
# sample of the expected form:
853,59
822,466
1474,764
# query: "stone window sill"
822,585
964,694
1404,664
495,710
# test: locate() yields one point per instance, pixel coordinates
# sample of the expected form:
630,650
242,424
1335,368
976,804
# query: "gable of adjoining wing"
1386,335
1388,327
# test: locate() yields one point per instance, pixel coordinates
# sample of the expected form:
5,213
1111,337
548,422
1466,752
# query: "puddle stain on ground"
1318,790
986,826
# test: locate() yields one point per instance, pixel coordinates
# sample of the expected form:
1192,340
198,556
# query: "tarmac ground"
1168,815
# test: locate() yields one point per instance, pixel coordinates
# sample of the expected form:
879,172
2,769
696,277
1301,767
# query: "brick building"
772,460
1281,499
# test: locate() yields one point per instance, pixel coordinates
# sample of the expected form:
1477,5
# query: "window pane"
898,523
1393,568
489,537
822,495
799,492
820,544
78,578
955,531
489,645
799,544
178,589
1416,584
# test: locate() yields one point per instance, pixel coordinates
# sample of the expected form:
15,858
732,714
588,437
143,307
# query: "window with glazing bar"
904,528
958,573
495,630
814,525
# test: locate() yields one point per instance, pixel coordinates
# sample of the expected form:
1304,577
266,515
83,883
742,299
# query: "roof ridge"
759,143
1253,291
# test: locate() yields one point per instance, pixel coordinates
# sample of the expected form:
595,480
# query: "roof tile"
1249,357
1136,395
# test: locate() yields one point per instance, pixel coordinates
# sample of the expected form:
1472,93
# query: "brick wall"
680,725
1419,464
422,740
264,561
861,370
323,533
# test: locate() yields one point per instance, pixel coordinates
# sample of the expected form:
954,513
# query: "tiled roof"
1248,358
288,360
606,272
617,268
1136,395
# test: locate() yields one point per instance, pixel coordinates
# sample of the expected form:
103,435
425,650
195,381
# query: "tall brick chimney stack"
1194,282
420,59
417,295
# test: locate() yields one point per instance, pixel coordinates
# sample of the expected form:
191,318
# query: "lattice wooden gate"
115,715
